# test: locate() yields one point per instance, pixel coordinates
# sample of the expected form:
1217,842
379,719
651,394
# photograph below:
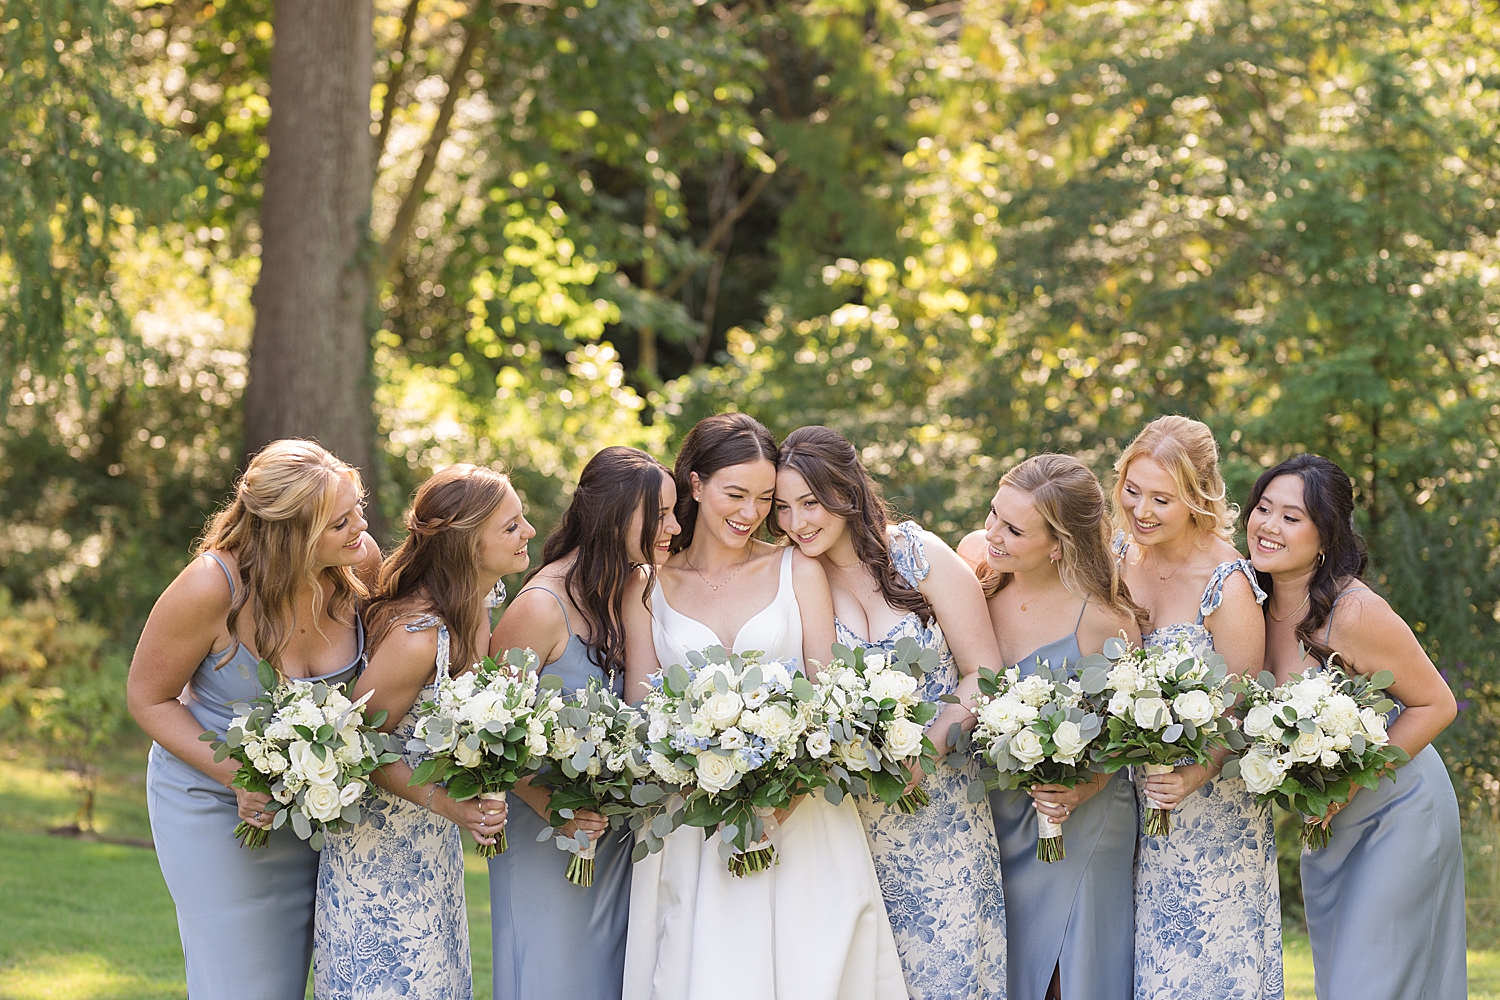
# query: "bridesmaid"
277,577
1208,897
1055,596
940,868
391,918
553,938
1385,898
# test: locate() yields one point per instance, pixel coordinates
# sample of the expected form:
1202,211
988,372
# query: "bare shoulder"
1100,622
1362,618
202,589
1237,589
404,650
807,568
537,605
971,548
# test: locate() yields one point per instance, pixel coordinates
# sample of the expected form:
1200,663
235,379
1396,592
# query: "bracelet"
430,789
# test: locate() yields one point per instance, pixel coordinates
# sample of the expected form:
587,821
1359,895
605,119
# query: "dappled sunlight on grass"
35,798
81,976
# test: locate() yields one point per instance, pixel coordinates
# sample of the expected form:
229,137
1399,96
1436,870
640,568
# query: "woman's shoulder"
206,585
971,548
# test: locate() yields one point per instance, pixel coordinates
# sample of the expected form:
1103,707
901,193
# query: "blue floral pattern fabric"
1208,897
390,915
939,869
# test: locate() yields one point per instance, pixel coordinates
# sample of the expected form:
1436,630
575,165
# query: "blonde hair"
1071,501
282,505
1187,450
436,568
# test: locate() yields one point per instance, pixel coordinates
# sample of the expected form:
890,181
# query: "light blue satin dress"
245,917
391,920
1385,899
1208,896
553,938
939,868
1073,915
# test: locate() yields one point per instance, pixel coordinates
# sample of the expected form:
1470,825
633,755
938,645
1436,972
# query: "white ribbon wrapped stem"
1151,769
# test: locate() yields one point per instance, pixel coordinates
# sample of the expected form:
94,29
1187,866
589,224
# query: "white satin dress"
812,927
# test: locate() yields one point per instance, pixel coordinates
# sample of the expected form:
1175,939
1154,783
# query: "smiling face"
734,501
503,538
666,527
1017,534
812,527
342,543
1280,532
1153,507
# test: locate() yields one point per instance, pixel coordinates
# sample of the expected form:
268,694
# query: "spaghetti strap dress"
553,938
391,920
1072,915
811,927
939,868
245,917
1385,899
1208,896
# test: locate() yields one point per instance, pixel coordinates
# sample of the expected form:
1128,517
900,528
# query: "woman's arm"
1238,627
640,646
958,601
971,549
810,584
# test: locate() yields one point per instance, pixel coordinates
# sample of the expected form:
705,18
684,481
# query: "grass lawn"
93,921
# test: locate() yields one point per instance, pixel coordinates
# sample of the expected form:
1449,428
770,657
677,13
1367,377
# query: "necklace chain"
1272,611
731,576
1174,569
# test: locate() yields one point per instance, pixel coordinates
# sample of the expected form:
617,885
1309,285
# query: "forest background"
516,232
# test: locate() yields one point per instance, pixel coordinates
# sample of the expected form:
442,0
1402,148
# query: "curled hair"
436,568
1071,501
1187,450
715,443
615,483
282,504
828,462
1328,498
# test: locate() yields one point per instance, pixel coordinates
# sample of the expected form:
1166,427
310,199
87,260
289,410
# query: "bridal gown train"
812,927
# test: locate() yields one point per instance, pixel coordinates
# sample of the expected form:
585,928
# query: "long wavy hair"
1328,498
1071,501
436,568
832,469
715,443
615,483
1187,450
281,506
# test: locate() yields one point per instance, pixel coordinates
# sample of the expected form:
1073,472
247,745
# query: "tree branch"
417,193
397,78
729,218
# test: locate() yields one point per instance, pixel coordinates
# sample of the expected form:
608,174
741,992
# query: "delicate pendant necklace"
1169,576
731,576
1272,611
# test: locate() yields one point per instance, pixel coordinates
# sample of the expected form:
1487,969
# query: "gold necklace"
731,576
1272,611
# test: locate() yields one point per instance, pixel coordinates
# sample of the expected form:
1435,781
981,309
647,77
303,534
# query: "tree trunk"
310,359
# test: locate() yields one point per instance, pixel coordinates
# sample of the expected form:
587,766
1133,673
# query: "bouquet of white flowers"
875,725
597,761
1313,739
486,729
310,748
1165,706
730,729
1034,730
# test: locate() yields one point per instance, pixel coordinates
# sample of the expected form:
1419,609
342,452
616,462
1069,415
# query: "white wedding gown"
812,927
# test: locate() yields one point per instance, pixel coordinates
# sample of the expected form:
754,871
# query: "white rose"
903,738
1152,713
1255,769
1307,746
486,707
351,793
1329,758
1260,720
565,743
716,772
275,763
657,730
775,724
1374,724
818,743
1069,740
1034,691
701,727
1124,677
306,763
993,715
720,710
776,673
892,684
536,743
1026,747
322,802
1119,703
1194,706
852,756
741,761
731,739
874,662
1305,696
704,682
466,757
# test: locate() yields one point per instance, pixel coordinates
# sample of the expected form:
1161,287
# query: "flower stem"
252,837
581,870
757,860
1158,822
498,847
913,800
1314,836
1050,849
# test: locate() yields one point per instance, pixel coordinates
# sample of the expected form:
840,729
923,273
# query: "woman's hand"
782,814
1334,808
483,818
917,774
252,806
1169,790
588,821
1057,803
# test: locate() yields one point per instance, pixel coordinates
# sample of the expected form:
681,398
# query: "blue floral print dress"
390,917
939,869
1207,896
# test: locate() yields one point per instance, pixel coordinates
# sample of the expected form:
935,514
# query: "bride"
812,927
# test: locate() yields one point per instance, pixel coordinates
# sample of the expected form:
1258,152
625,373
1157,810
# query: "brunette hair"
615,483
282,504
715,443
1187,450
1071,501
827,461
1328,498
436,568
